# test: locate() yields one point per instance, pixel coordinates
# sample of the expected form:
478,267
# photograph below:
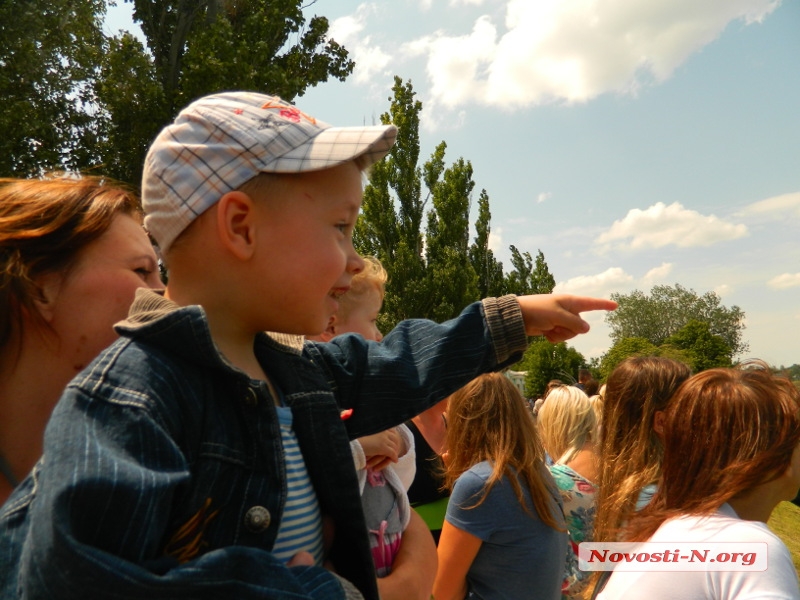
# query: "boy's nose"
355,264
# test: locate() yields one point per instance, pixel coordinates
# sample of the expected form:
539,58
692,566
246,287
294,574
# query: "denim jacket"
163,473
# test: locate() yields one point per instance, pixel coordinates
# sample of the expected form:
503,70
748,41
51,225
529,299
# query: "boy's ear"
330,330
236,224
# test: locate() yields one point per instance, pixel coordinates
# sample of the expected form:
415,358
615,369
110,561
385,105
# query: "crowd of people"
247,431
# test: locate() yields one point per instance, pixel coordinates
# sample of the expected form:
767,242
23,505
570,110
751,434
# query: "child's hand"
557,316
301,559
382,449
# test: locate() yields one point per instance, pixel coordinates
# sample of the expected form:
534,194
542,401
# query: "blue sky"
634,143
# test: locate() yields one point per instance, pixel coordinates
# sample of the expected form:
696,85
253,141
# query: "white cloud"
657,274
600,285
455,64
575,50
784,281
543,197
778,207
661,225
496,240
370,59
723,290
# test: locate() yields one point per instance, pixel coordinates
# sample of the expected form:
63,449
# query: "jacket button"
251,398
257,519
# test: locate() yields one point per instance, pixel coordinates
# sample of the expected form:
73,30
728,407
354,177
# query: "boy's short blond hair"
373,277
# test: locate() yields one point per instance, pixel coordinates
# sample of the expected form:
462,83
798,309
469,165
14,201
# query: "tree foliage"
667,309
527,277
703,349
544,361
487,267
49,53
86,99
430,273
622,349
693,344
416,220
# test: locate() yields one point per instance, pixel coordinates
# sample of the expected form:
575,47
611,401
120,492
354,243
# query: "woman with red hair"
72,254
731,453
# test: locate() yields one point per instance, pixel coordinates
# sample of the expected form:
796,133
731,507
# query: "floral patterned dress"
577,495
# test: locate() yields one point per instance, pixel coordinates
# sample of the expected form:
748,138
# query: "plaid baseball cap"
219,142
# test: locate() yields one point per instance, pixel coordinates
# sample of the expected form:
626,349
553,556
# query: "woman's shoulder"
567,478
721,526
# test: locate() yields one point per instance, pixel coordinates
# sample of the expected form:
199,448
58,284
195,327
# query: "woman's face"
85,301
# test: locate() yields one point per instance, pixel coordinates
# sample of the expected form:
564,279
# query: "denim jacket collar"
155,319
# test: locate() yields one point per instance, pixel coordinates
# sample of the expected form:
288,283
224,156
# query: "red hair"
726,431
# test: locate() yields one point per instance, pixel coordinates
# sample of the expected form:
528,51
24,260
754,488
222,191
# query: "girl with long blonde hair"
567,424
504,533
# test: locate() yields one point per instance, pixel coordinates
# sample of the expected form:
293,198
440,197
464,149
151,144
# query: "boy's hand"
557,316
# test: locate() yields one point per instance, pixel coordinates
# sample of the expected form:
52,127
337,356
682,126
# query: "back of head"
566,422
630,450
372,277
220,142
636,389
44,225
726,431
488,420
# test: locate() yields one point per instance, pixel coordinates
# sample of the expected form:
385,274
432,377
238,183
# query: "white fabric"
779,581
399,476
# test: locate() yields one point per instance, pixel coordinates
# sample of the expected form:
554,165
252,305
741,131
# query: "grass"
785,523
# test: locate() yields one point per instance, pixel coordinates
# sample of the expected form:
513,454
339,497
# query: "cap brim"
336,145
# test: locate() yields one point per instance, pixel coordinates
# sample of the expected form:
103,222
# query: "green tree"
393,209
544,361
75,98
487,267
704,349
430,273
49,51
662,313
622,349
198,47
527,277
433,273
451,279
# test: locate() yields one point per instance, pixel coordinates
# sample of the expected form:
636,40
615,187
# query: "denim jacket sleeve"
419,362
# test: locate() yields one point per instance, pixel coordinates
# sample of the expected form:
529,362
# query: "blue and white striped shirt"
301,522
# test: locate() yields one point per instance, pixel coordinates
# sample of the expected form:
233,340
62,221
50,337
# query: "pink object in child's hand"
346,414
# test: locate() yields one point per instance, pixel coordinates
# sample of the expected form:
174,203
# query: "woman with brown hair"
72,254
504,534
731,453
630,451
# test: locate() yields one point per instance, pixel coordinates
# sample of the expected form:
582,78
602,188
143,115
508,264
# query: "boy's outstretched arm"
557,316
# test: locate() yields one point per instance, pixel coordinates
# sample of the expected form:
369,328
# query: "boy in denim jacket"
168,470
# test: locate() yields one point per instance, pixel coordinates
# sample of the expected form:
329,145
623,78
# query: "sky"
635,143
